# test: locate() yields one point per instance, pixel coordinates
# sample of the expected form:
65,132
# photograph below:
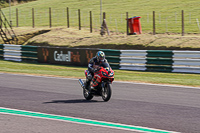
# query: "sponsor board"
69,56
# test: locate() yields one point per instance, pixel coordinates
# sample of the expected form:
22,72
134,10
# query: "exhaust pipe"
81,83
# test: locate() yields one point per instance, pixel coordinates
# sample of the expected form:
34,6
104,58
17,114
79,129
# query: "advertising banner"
69,56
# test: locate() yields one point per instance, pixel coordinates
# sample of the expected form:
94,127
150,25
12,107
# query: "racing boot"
88,79
87,85
92,87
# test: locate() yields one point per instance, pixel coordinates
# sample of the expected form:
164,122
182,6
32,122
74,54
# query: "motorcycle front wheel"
106,92
87,94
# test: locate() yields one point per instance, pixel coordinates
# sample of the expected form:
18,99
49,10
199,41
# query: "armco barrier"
29,52
113,57
160,60
12,52
1,51
186,61
142,60
133,60
18,52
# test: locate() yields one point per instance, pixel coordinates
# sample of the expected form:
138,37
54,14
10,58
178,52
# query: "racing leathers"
91,70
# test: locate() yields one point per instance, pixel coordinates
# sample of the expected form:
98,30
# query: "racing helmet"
100,55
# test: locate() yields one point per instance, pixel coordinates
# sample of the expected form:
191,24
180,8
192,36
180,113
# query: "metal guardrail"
133,60
140,60
160,60
1,51
186,61
113,57
18,52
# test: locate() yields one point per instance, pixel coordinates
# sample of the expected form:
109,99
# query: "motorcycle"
103,89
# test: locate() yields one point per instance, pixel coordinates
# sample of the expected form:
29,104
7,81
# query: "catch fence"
165,22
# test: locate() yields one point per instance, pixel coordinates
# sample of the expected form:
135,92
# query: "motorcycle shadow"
72,101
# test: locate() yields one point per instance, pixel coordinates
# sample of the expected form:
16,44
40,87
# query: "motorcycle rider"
94,62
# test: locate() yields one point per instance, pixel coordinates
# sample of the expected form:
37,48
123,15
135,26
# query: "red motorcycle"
106,74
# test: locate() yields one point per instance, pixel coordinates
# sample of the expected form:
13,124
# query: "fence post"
183,28
90,21
33,19
67,17
127,25
104,15
17,22
50,17
0,19
79,18
154,23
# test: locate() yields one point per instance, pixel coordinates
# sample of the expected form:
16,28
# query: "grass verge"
70,37
120,75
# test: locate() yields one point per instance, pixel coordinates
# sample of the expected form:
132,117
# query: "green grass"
41,69
120,75
168,13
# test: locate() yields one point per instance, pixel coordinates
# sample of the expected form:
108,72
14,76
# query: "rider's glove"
94,70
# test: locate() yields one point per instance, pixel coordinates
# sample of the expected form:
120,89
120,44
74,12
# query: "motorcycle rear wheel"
87,94
106,92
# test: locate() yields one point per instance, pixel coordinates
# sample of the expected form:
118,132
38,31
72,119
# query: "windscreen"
104,65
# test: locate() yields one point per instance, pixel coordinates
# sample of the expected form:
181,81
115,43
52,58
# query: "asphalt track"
168,108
